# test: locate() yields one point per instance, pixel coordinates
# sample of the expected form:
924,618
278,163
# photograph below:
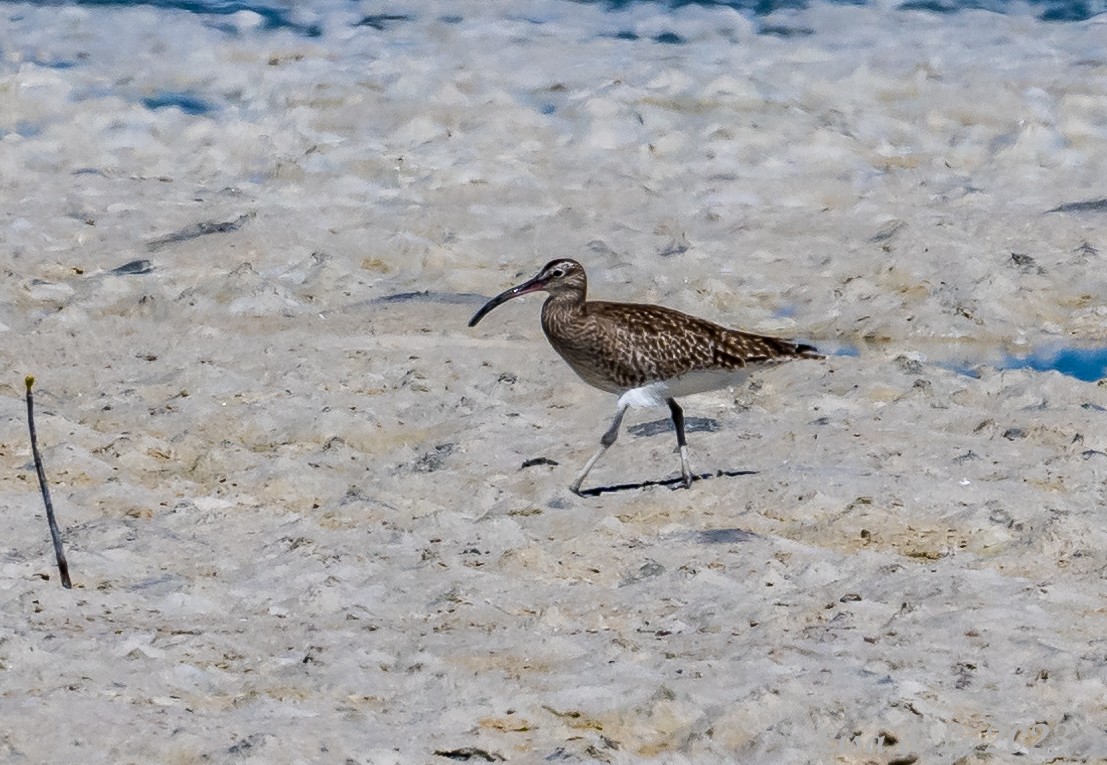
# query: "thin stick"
59,553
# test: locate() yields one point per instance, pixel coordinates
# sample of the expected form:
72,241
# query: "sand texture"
290,478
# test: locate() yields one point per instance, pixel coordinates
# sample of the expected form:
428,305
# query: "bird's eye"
557,272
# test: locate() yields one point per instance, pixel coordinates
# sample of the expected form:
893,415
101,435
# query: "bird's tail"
805,351
739,349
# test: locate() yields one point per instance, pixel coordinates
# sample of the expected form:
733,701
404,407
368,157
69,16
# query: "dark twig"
59,553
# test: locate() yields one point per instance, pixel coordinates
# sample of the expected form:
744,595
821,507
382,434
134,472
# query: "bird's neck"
561,310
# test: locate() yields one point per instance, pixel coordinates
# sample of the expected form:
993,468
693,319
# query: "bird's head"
558,277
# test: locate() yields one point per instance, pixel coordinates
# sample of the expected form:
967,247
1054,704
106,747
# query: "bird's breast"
592,366
586,348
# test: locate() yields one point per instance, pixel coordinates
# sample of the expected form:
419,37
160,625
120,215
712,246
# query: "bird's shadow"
691,425
672,483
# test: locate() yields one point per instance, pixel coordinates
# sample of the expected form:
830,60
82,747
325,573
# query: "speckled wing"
624,345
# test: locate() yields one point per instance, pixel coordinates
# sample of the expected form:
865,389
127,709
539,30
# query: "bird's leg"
606,440
678,423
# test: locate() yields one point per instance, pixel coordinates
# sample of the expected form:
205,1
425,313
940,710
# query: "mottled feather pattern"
648,354
616,346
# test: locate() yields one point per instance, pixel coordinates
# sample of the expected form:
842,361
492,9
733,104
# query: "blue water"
1047,10
280,16
1088,364
186,102
273,16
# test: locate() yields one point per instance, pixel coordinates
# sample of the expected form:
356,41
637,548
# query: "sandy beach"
239,259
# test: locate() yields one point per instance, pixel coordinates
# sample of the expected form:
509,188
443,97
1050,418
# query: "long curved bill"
532,285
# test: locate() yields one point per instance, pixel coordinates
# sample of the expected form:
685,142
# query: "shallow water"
273,16
276,16
1088,364
1082,362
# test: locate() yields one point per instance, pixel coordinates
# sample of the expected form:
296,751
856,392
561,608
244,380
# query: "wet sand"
290,478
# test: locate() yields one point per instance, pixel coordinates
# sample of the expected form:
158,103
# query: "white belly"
657,393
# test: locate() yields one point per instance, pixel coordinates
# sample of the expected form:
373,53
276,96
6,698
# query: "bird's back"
619,346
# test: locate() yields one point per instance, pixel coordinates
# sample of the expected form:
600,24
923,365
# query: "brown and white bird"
648,354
